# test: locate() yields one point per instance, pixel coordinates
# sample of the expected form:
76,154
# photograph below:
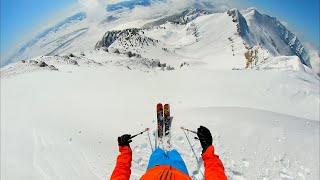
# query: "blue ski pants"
172,158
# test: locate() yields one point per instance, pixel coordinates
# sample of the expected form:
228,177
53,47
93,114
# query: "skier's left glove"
124,140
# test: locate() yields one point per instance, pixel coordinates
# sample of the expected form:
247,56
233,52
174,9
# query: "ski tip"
159,106
166,107
147,129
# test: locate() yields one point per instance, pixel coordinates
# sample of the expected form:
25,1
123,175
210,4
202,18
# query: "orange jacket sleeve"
213,167
122,170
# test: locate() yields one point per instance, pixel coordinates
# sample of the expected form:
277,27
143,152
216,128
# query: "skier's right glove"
205,137
124,140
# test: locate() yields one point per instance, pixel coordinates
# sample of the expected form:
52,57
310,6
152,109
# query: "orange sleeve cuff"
208,153
125,149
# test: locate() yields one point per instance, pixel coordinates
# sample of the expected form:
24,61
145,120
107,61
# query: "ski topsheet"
167,119
160,120
164,125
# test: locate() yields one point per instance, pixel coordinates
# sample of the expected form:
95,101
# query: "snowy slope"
265,123
78,86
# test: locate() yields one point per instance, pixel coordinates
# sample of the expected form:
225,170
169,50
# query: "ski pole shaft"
188,130
196,138
191,147
194,153
150,141
147,129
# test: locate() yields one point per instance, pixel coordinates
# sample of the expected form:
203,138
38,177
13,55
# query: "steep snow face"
216,43
179,18
269,33
194,43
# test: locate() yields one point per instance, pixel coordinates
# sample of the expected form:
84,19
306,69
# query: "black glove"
124,140
205,137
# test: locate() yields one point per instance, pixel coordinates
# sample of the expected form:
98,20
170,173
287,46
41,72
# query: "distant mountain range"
259,33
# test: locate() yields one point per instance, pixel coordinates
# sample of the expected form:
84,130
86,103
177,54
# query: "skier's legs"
176,161
158,157
172,158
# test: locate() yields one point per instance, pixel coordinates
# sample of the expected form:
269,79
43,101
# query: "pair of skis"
163,134
164,121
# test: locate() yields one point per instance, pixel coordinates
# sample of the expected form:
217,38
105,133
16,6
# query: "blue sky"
20,17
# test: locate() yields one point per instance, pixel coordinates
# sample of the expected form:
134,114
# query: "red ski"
160,123
167,119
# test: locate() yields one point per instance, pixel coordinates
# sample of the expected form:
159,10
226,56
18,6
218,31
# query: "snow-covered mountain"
271,34
69,92
53,39
259,33
126,39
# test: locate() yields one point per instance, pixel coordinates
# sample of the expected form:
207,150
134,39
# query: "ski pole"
147,129
150,141
194,153
183,128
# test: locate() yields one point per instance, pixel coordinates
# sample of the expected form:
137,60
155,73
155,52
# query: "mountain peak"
252,11
270,33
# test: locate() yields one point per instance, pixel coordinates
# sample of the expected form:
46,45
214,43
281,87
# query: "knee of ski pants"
158,157
172,158
177,161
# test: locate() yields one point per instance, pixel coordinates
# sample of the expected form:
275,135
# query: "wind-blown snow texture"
75,89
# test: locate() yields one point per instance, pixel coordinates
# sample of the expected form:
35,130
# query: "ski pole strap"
147,129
